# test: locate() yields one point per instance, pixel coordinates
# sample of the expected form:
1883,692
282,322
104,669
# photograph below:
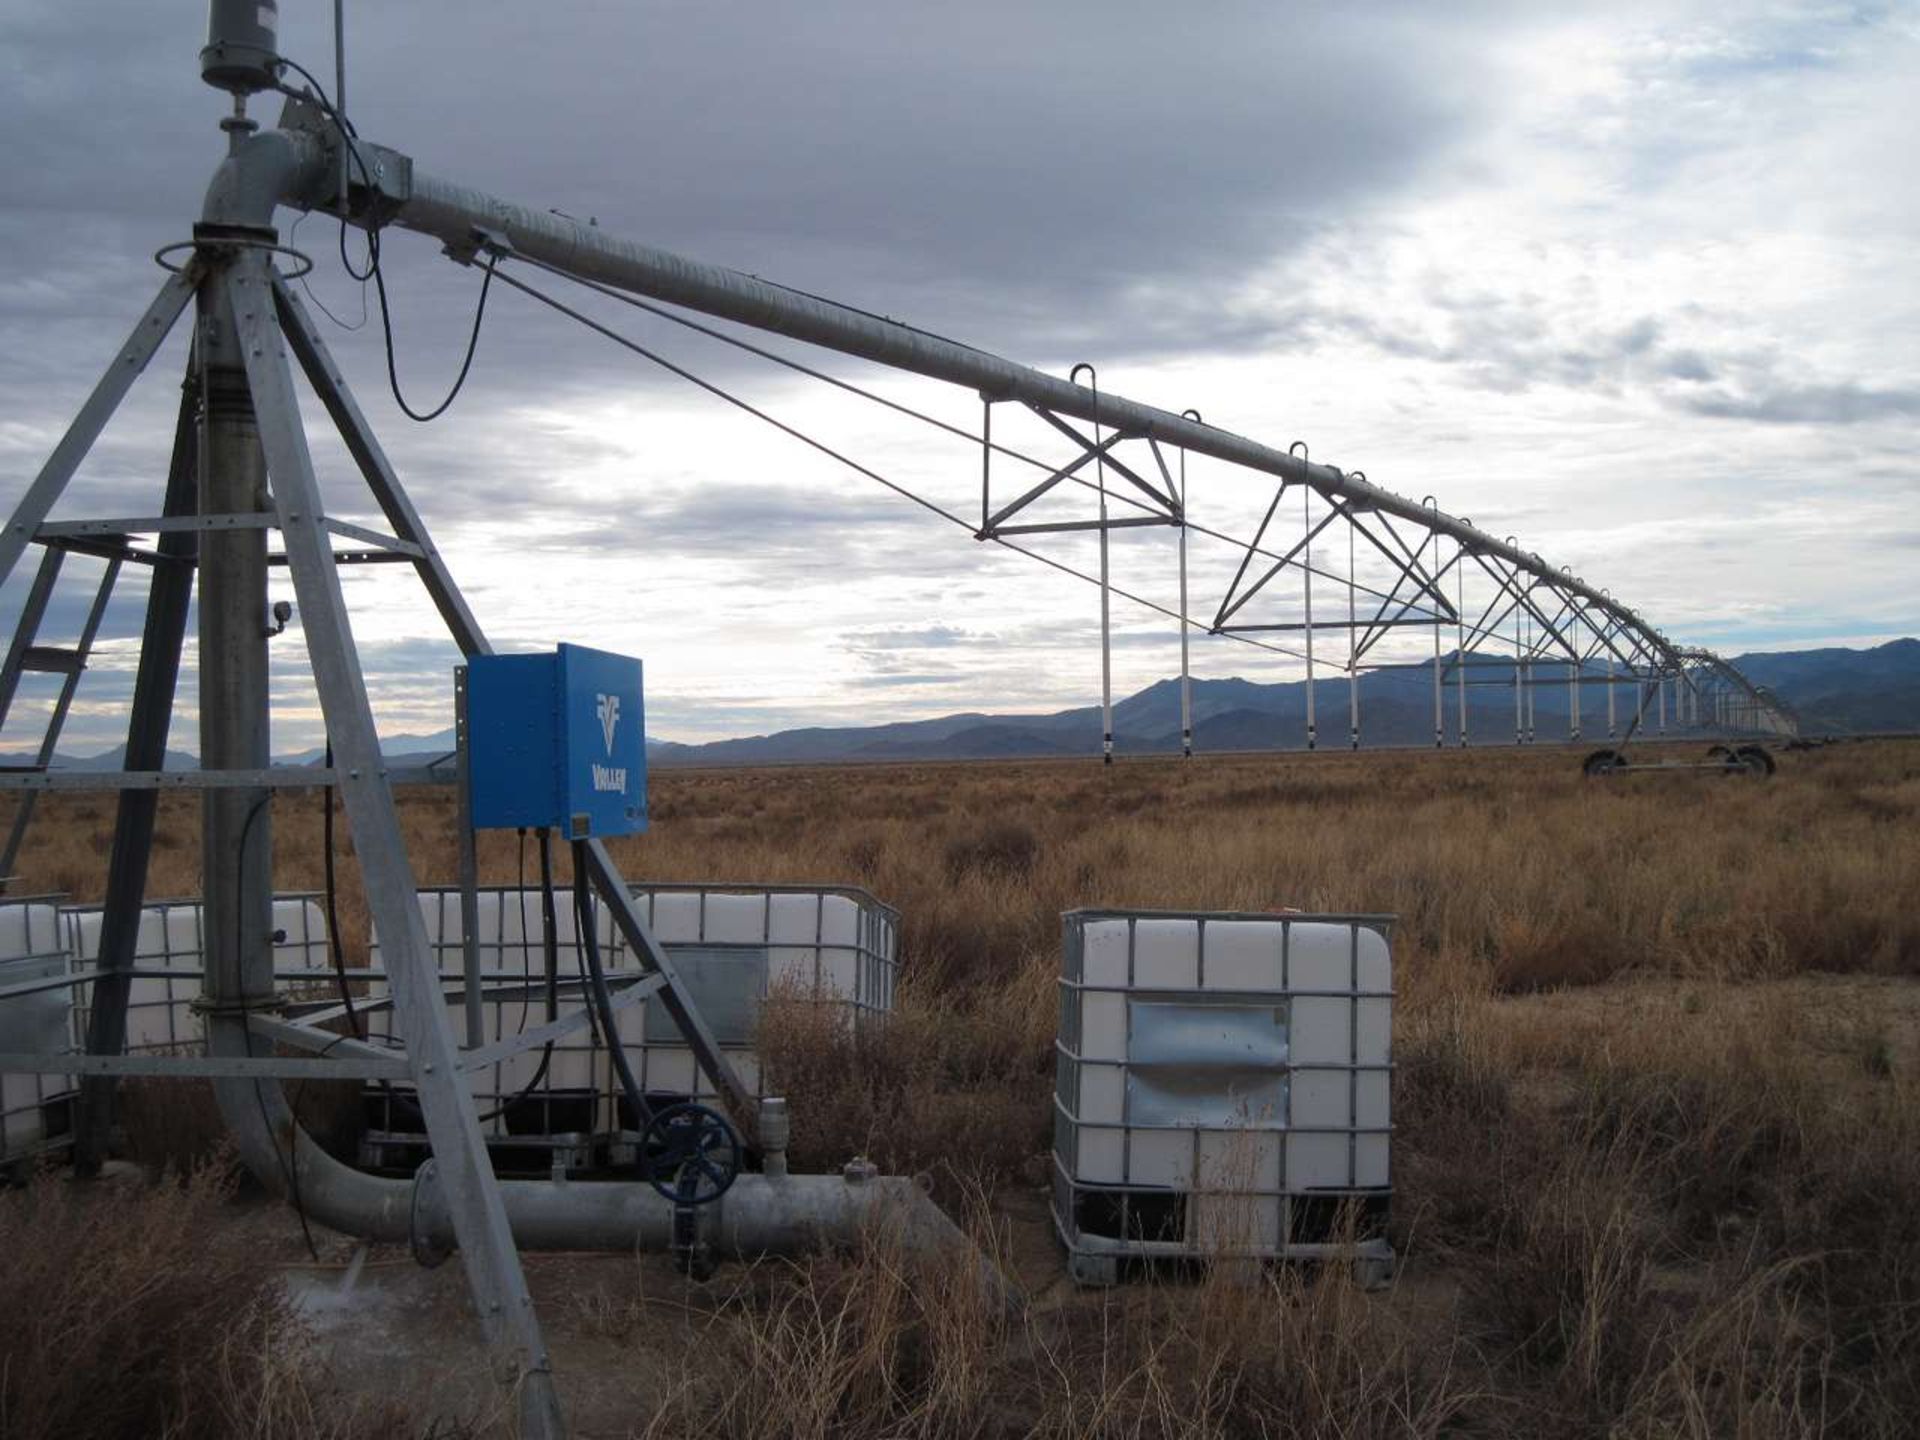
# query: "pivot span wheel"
1744,760
1750,760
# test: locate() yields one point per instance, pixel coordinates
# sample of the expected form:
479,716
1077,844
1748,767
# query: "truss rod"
984,439
461,217
504,278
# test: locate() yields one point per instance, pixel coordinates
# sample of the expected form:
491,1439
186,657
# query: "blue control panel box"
558,740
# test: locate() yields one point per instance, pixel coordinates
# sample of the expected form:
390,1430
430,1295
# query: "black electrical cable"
533,1084
583,937
602,997
354,1027
549,917
350,136
473,343
526,947
550,947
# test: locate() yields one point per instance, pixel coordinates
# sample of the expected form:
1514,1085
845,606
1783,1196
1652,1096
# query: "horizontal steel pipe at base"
760,1215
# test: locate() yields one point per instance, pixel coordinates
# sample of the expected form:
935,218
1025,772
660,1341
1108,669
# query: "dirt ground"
623,1330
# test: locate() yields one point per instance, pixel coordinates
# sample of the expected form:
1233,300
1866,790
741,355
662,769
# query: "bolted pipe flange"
428,1253
859,1171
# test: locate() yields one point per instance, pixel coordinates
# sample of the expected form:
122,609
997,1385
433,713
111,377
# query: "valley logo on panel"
608,777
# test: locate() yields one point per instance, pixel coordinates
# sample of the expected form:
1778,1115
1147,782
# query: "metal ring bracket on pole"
299,257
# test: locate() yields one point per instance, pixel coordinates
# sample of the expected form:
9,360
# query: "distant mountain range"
1834,691
1844,692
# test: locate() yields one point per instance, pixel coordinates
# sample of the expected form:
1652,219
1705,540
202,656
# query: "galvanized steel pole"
1186,686
1353,657
1460,645
1306,570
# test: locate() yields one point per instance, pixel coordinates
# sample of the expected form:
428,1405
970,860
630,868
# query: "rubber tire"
1601,763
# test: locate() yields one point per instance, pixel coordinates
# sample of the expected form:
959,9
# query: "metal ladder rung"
53,659
68,661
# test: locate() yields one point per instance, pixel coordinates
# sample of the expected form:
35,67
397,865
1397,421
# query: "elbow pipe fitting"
265,171
769,1214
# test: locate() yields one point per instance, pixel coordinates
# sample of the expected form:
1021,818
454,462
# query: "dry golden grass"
888,1344
125,1314
1658,1040
1505,868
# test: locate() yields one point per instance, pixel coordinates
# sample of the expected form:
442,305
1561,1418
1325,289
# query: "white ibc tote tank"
169,956
37,1019
732,944
1222,1088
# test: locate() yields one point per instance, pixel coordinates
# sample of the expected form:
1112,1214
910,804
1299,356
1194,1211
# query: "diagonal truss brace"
487,1249
1406,565
1163,506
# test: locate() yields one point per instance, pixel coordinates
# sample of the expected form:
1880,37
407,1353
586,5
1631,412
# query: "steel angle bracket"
379,180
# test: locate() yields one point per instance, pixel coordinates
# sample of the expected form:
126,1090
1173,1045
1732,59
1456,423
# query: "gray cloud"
1786,402
1012,171
915,679
1100,181
1512,343
931,637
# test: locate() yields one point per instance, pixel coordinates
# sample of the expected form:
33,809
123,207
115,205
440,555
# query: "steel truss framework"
1497,614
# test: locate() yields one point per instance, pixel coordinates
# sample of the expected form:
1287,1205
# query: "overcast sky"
1635,286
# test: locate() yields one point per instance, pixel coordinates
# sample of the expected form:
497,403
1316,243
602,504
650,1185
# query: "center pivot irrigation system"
241,470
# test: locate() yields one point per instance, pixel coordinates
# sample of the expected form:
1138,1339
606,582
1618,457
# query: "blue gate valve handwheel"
690,1154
